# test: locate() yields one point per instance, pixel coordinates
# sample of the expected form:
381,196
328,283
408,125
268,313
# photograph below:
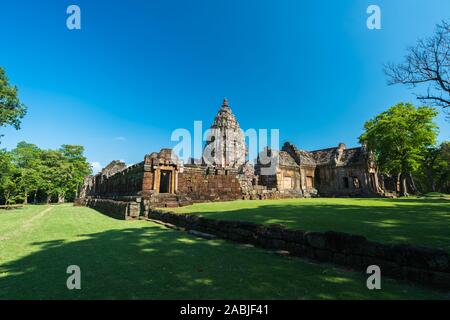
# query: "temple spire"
228,146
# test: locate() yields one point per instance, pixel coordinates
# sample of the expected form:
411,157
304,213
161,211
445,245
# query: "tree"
27,159
443,168
78,166
8,178
434,172
27,170
427,64
11,109
399,138
55,173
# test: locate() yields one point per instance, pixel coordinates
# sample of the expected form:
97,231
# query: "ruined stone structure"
224,173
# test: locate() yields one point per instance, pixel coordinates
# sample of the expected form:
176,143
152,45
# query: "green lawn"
421,221
138,259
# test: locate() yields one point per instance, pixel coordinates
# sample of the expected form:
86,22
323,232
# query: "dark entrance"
165,181
317,178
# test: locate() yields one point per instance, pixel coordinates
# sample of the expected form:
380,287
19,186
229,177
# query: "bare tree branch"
427,64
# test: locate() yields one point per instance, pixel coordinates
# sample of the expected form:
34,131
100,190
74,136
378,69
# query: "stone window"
346,184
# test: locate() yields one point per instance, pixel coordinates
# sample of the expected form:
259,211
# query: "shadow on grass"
417,221
156,263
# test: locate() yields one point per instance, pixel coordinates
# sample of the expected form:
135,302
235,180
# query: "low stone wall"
116,209
426,266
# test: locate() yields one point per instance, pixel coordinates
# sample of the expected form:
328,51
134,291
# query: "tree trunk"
25,201
35,197
403,186
49,199
381,183
431,181
412,184
6,195
61,198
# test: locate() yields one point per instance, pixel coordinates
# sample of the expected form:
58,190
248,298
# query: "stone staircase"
168,200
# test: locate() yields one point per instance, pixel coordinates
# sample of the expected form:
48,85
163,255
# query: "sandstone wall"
122,210
201,183
124,183
422,265
330,181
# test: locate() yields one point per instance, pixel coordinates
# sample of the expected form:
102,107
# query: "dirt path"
26,225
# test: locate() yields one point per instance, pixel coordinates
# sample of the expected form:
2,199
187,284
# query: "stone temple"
224,173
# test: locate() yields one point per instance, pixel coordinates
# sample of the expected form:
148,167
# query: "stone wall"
421,265
122,210
201,183
330,181
126,182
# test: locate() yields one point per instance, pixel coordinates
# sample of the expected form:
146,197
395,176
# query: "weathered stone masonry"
203,183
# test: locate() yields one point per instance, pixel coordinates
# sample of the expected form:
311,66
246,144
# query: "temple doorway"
165,181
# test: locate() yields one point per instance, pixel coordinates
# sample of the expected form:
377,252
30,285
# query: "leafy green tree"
55,173
78,167
434,173
8,178
27,158
11,109
28,170
443,171
399,138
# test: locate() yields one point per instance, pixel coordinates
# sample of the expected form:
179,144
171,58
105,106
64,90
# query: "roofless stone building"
161,179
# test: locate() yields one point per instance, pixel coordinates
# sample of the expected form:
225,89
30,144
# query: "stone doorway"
165,181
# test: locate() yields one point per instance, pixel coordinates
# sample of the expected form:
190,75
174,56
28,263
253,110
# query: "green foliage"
77,166
399,138
11,109
27,159
28,171
8,178
434,172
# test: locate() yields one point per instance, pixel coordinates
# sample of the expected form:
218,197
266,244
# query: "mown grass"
420,221
142,260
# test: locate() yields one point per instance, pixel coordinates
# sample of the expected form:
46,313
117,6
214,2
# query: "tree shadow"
156,263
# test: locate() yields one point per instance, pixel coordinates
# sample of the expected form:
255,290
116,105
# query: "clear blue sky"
140,69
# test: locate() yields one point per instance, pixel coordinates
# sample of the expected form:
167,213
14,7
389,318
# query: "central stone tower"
226,142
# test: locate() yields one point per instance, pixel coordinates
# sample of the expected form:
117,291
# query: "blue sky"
140,69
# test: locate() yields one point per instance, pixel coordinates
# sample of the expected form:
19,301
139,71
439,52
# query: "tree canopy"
11,109
399,138
434,173
29,173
